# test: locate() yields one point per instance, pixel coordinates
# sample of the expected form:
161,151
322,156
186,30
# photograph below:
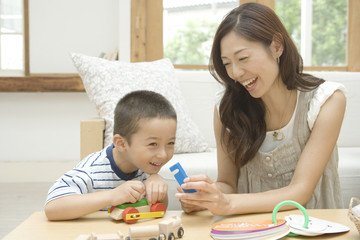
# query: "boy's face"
152,146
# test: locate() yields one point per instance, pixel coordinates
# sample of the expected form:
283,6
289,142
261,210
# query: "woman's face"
250,63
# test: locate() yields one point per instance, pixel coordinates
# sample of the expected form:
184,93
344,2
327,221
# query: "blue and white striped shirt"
97,172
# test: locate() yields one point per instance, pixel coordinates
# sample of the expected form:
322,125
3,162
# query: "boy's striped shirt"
96,172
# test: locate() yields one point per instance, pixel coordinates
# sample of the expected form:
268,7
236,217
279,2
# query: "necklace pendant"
278,136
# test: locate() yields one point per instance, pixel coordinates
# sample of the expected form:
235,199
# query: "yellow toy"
132,212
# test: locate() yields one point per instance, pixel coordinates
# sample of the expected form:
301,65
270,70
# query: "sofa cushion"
107,81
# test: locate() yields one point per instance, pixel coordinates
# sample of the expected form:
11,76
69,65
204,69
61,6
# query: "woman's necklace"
278,135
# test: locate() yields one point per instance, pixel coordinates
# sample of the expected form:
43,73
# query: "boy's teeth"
156,164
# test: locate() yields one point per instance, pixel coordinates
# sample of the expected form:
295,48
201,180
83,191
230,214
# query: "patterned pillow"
106,82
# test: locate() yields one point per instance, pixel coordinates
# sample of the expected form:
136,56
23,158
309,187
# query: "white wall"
40,134
59,27
42,126
41,131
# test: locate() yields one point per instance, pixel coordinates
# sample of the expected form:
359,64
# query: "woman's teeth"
156,164
249,83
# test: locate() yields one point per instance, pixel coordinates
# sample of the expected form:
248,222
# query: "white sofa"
199,90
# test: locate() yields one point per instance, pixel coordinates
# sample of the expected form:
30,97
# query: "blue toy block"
180,176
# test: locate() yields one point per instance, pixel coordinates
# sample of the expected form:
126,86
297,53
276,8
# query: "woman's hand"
208,196
188,208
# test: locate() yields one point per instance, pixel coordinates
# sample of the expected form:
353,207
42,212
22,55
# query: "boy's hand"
156,189
130,191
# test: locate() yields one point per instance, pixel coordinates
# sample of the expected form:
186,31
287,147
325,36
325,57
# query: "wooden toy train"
168,229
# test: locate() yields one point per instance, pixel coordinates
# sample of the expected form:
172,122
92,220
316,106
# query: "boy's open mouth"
155,164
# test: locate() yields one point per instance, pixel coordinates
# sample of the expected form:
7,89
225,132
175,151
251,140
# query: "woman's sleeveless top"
275,169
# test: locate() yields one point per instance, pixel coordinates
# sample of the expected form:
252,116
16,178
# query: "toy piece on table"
132,212
94,236
293,225
250,230
305,225
167,229
180,176
315,227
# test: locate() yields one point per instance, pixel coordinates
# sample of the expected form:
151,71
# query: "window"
189,27
325,38
147,40
318,28
11,37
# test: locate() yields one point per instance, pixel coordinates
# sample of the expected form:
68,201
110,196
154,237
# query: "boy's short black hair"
138,105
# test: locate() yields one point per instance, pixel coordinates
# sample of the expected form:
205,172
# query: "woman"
276,128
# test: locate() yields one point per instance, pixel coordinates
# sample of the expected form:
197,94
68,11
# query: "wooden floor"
18,201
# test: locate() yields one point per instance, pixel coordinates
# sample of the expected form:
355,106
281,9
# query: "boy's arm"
77,205
156,189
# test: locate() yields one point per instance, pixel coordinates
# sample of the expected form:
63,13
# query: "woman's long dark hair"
242,116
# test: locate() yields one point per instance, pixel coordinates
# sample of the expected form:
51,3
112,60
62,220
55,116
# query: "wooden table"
196,226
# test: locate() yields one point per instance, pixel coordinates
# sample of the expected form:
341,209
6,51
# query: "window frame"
146,30
38,82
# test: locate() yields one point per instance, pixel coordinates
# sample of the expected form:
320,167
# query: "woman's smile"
250,83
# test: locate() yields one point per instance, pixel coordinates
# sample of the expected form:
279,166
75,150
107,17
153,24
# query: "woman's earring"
278,60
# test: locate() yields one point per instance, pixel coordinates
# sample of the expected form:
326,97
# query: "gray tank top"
275,169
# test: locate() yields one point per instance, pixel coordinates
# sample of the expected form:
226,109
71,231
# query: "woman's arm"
320,146
210,194
227,176
228,173
309,169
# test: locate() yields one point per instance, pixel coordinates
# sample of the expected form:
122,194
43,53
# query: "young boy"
125,171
